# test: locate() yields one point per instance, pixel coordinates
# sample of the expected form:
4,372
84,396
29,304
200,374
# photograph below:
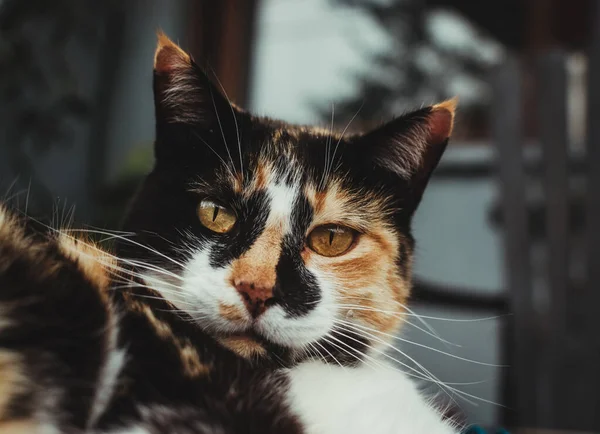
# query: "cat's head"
265,232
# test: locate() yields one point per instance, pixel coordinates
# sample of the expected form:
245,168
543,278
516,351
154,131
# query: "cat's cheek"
207,295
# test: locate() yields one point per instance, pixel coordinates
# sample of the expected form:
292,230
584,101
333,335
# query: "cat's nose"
256,298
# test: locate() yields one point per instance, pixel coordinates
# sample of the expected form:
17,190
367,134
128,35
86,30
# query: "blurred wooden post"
553,400
507,136
221,36
589,300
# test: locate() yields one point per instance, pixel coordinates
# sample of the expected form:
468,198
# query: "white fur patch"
133,429
333,400
4,321
283,198
200,291
109,373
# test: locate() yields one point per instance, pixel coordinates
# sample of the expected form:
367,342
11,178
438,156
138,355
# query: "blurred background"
507,269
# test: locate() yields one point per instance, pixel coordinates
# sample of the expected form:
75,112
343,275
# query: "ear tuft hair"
441,120
411,145
168,57
183,94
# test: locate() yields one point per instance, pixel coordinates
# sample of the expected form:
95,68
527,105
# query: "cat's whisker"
427,375
310,353
221,128
343,328
225,164
135,243
430,332
173,294
344,132
237,129
354,356
157,235
152,297
6,197
113,266
458,391
424,374
123,233
330,355
390,312
327,146
433,335
317,353
464,359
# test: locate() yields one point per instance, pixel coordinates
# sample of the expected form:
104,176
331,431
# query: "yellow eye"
215,217
331,240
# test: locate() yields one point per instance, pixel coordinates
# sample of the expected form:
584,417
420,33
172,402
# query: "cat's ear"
183,94
411,146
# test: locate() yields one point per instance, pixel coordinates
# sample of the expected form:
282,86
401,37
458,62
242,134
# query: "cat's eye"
331,240
215,217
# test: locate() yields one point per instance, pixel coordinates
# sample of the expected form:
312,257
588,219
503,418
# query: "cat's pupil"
331,235
215,213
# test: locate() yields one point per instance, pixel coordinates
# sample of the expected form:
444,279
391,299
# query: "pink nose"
257,299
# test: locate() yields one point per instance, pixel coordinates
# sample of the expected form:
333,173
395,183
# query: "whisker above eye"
237,129
344,132
215,152
221,128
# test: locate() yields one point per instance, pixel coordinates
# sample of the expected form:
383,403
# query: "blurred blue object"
476,429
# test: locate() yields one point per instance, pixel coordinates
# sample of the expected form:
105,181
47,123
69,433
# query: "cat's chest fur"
331,399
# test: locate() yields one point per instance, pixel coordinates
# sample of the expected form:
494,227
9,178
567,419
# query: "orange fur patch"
189,356
231,312
192,365
367,276
12,378
162,328
92,261
20,427
257,265
244,346
262,175
336,204
15,243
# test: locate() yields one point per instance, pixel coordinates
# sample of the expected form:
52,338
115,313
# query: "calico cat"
270,265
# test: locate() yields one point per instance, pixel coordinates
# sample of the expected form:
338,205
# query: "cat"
270,264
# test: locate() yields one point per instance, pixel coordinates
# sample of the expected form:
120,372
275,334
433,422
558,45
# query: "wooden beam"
589,300
552,396
521,381
221,35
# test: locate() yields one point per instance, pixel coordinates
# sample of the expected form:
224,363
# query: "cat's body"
77,355
269,266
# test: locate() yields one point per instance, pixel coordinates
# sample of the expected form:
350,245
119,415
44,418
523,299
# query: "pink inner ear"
441,121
